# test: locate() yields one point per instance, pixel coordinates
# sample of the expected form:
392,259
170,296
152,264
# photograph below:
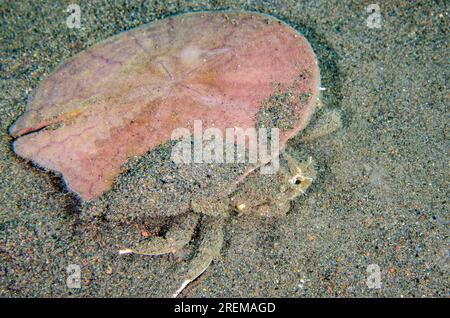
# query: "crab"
259,195
123,98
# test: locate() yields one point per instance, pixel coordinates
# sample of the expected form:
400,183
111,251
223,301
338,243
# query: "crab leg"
327,123
208,250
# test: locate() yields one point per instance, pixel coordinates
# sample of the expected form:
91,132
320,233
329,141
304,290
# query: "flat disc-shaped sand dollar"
124,96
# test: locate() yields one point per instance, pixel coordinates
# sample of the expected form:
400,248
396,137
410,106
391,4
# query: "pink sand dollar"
126,95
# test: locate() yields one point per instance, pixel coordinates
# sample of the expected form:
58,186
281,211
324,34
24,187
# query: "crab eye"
296,181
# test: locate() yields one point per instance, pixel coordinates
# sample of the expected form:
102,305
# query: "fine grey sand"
380,197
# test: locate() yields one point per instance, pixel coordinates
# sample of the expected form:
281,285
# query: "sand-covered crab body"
259,195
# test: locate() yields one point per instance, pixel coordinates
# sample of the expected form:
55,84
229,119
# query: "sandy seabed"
380,197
